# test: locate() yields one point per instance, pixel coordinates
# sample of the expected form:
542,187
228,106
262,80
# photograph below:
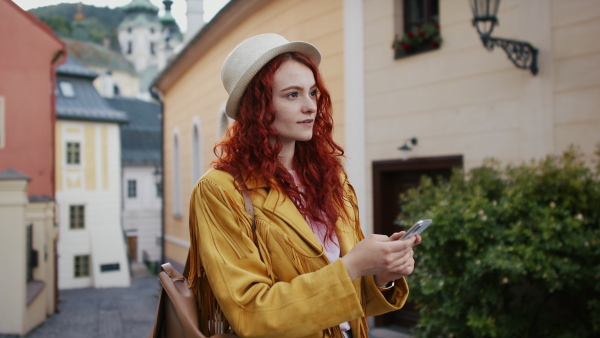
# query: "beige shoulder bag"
177,314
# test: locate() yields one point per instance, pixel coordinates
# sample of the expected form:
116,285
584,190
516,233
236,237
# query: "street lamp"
158,180
406,148
522,54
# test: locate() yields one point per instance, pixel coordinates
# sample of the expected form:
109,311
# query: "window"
151,30
131,188
224,123
73,153
82,266
129,47
31,259
177,207
129,30
159,189
76,217
2,124
152,48
116,90
419,12
417,26
67,89
196,164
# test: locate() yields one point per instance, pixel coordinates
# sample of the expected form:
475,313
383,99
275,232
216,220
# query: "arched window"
129,47
196,155
223,123
177,207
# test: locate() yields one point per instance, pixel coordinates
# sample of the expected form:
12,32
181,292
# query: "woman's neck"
286,155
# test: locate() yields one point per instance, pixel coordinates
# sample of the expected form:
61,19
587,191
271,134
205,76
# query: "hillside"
98,23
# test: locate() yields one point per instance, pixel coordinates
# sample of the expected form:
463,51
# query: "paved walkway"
119,312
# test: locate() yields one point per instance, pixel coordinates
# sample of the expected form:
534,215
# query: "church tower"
148,41
139,34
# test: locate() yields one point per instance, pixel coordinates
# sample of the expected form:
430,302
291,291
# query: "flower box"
423,38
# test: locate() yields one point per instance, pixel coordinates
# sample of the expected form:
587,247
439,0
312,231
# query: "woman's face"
295,102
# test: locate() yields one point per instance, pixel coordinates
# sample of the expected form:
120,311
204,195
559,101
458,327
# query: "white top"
332,251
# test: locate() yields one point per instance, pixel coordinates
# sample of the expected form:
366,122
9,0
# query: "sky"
211,7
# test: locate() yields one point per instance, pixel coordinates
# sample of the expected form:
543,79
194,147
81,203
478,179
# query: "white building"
141,193
91,246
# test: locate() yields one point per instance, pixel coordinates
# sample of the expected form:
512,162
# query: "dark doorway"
390,179
132,248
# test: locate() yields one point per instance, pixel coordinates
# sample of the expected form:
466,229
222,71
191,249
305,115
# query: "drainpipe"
59,58
156,95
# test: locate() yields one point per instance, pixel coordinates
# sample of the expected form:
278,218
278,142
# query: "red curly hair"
247,152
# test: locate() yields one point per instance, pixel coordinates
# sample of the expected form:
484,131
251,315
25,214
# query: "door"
132,248
390,179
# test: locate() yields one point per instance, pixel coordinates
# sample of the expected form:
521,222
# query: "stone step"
139,270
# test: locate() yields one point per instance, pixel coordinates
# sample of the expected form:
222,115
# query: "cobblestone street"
102,313
119,312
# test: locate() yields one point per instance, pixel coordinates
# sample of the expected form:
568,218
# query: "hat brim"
233,102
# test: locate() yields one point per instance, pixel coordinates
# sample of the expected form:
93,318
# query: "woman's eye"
314,93
293,94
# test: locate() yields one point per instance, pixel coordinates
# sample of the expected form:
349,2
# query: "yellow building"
194,98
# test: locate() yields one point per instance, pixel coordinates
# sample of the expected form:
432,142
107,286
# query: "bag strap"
249,209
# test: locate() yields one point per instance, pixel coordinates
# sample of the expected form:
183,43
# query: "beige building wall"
41,216
129,84
198,96
465,100
25,304
13,202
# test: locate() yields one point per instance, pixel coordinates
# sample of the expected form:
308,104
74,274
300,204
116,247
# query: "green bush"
513,251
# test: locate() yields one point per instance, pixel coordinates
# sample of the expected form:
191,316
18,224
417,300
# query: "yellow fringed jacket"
276,282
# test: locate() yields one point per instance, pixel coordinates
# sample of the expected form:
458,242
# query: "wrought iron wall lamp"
521,53
406,147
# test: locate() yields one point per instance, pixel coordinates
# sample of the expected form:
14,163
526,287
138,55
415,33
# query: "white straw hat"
249,57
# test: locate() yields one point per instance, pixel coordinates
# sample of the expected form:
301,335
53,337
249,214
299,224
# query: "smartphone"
417,228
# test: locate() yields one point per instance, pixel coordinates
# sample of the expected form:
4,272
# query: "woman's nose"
309,106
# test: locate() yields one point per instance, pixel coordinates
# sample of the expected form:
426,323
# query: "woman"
301,267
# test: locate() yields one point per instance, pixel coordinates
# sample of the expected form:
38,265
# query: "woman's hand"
407,269
385,257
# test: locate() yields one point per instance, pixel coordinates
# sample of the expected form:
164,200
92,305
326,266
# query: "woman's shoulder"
217,177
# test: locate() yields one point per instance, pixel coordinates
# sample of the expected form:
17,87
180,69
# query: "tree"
99,22
59,24
512,252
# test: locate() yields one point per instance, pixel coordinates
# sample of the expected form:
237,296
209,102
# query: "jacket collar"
282,206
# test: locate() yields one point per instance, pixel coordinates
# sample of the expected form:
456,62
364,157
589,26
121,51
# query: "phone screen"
417,228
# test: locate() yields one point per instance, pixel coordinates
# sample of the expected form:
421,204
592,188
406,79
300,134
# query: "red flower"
437,25
405,45
410,35
434,44
421,33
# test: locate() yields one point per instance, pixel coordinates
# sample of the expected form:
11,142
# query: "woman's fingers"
378,254
397,235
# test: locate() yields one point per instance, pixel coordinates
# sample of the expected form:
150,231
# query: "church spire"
140,6
79,15
167,19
